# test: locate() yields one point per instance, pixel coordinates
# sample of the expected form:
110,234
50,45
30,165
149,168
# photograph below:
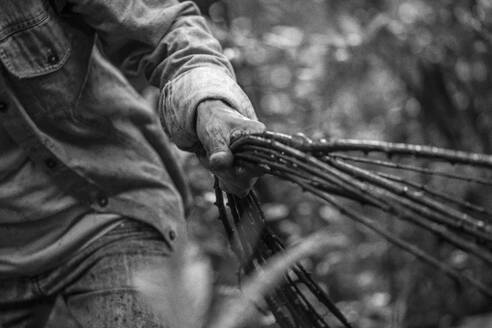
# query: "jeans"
94,288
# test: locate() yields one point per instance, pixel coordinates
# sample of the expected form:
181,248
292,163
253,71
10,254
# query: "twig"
412,168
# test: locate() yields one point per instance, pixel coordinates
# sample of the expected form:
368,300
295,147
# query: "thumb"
221,160
219,155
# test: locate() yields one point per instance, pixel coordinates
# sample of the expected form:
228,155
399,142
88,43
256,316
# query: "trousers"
94,288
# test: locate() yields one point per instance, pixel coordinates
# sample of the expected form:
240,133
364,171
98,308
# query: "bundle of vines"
374,174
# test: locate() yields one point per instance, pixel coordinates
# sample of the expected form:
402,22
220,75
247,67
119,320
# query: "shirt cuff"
180,98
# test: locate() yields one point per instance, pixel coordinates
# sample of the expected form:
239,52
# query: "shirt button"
172,234
102,200
50,163
52,58
3,107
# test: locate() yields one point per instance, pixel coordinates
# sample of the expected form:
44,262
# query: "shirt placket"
21,129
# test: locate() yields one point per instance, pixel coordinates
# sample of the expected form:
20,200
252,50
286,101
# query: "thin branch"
456,219
401,213
412,168
419,253
440,195
325,147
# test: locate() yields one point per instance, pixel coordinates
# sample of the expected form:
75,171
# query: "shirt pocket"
39,49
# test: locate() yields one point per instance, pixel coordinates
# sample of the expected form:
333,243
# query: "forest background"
403,71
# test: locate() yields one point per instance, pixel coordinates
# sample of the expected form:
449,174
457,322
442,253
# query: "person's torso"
76,116
26,190
41,224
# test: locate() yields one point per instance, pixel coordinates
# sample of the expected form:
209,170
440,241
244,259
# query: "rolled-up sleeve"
170,43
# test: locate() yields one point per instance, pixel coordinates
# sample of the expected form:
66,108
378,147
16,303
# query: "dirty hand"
216,123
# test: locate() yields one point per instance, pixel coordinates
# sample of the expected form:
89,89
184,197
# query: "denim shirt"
65,97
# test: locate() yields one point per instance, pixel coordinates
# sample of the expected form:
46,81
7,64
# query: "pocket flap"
36,51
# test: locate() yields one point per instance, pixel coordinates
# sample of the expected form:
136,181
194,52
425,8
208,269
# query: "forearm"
171,45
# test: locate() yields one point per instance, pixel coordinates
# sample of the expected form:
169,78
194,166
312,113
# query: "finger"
246,126
238,189
221,160
216,147
249,170
220,156
235,181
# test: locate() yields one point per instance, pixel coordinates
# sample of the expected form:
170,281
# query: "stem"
412,168
400,206
419,253
328,146
451,217
440,195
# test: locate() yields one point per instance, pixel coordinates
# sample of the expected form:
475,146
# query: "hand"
216,123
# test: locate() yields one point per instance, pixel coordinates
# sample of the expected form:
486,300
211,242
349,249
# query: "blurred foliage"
406,71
